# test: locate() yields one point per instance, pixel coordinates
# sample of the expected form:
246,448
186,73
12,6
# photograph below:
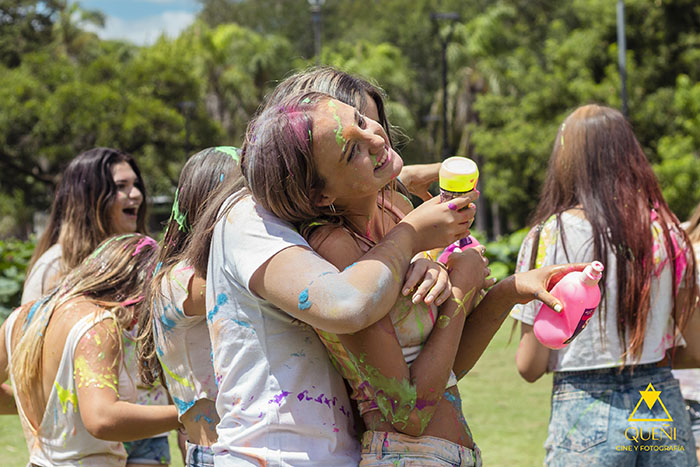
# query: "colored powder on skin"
145,241
421,327
65,396
231,151
304,303
202,416
86,376
339,139
221,299
443,321
182,406
180,217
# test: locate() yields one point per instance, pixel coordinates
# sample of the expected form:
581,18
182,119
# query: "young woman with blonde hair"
66,361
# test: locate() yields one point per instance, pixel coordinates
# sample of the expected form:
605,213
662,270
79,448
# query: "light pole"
444,41
316,20
622,54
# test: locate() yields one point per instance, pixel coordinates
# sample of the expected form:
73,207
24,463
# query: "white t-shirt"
588,350
280,400
42,277
182,342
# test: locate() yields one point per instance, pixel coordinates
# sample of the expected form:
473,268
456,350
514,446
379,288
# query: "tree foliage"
516,68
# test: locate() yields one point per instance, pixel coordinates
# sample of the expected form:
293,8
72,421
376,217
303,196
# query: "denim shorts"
199,456
154,451
380,448
599,417
693,408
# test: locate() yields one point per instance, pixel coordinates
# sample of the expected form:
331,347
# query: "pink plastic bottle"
579,293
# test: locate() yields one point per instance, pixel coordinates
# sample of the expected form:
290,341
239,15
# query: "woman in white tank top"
73,409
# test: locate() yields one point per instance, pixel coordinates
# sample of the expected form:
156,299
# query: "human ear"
324,200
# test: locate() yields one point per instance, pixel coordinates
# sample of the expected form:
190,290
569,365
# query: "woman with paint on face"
101,193
601,201
339,164
174,339
280,400
74,403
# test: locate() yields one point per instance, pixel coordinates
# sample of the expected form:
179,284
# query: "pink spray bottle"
579,293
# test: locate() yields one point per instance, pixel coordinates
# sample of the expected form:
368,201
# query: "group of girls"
285,267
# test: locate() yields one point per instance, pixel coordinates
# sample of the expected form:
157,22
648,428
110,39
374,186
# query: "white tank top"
62,439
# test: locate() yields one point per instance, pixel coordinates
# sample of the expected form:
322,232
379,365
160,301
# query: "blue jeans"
383,449
199,456
599,417
154,451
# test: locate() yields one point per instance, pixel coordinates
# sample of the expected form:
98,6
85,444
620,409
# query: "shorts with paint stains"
199,456
155,451
380,448
599,417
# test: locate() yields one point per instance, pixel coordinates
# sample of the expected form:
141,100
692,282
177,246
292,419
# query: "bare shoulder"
336,245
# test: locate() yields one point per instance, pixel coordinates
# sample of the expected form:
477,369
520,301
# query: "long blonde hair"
112,277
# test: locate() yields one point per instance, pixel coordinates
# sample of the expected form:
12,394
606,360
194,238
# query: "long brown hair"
80,214
201,174
598,164
350,89
112,277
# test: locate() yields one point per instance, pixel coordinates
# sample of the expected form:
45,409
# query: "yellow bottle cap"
458,174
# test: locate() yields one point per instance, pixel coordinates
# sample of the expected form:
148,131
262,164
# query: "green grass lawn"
507,416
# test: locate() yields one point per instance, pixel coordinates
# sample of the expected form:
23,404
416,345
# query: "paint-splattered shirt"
182,343
280,400
62,438
598,347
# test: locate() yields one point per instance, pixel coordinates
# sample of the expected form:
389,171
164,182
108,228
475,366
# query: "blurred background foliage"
516,68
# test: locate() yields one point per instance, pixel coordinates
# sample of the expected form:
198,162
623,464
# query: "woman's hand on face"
417,178
439,224
536,283
435,285
470,268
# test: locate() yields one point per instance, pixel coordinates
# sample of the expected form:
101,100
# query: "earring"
332,208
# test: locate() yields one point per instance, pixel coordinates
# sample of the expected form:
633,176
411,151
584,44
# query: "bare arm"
407,395
490,313
96,375
195,303
418,177
7,400
312,290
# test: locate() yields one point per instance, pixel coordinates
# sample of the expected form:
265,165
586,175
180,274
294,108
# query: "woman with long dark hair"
101,193
601,201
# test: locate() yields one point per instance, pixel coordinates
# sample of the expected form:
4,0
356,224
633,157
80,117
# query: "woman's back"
50,416
598,345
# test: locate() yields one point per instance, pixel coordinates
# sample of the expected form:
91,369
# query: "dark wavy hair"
80,214
598,164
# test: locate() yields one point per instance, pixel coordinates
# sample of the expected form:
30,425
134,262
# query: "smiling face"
125,209
352,154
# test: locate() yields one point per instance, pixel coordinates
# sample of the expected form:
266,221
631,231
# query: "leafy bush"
14,257
503,253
